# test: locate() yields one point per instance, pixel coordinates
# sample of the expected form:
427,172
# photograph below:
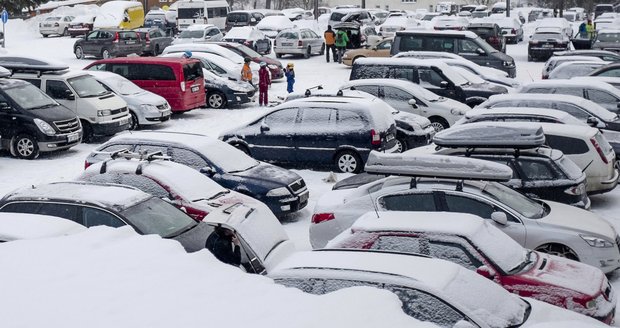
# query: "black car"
92,204
491,33
602,54
274,65
318,132
611,70
281,190
154,40
158,18
432,75
544,42
106,43
242,18
31,122
221,92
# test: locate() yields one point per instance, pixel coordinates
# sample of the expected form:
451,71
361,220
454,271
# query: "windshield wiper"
219,194
186,229
523,264
44,106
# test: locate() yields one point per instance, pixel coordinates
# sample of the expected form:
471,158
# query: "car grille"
117,111
68,126
298,186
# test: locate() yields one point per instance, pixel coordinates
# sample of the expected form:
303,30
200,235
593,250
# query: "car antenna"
374,206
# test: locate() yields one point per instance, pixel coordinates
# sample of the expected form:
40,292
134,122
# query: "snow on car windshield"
514,200
192,34
228,158
123,86
497,246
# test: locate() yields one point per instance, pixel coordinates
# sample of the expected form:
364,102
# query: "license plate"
195,88
131,42
47,25
287,44
547,46
389,137
123,121
73,137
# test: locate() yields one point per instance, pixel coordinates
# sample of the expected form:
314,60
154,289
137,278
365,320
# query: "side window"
435,43
152,148
35,82
349,120
396,95
313,35
285,117
468,46
573,110
371,89
100,67
122,70
145,184
461,204
411,43
601,97
64,211
213,32
384,45
404,73
429,77
57,89
25,207
535,169
312,118
426,307
151,72
569,91
93,217
569,146
92,35
409,202
611,72
189,158
539,90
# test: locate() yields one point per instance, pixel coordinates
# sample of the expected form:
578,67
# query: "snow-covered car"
607,40
466,185
58,25
19,226
280,189
476,244
545,41
393,24
488,74
341,15
251,37
145,107
178,184
219,65
606,23
556,22
210,49
412,98
303,42
554,61
450,23
611,80
272,25
575,68
81,25
431,290
329,131
598,92
297,14
91,204
511,28
519,114
199,33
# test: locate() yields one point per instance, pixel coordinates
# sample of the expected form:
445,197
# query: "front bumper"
288,204
606,185
162,117
51,30
238,97
59,142
111,127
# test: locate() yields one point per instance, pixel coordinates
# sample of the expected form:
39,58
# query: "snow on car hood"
268,174
545,315
417,121
570,217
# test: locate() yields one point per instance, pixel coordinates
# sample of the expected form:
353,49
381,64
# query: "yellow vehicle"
126,15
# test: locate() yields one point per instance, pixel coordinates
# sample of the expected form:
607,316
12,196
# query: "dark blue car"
319,131
280,189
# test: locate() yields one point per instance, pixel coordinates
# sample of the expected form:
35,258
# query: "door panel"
276,143
316,135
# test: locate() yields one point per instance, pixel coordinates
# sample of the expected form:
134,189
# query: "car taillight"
182,85
300,44
599,150
322,217
579,189
116,37
86,164
375,138
147,38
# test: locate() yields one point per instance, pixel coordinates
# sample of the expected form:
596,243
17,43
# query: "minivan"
464,43
242,18
31,122
179,80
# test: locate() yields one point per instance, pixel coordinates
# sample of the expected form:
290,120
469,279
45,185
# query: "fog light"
51,145
285,208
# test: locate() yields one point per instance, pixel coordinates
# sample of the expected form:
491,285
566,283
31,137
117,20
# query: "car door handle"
330,138
13,117
288,136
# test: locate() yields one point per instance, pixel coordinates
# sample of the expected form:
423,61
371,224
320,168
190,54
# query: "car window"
57,89
285,117
349,120
371,89
189,158
569,91
436,43
128,35
461,204
426,307
316,118
430,78
93,217
404,73
65,211
145,184
568,145
539,90
535,169
213,32
611,72
152,149
288,35
385,45
468,46
35,82
572,109
601,97
92,35
409,202
412,43
25,207
394,96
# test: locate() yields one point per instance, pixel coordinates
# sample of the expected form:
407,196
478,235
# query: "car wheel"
242,147
216,100
278,55
348,162
105,54
87,132
25,147
558,250
79,52
401,145
307,53
322,49
134,124
65,32
439,123
44,35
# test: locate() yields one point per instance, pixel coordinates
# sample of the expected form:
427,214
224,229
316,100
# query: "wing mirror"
70,95
593,121
486,272
264,127
480,51
207,170
413,103
443,84
499,218
252,20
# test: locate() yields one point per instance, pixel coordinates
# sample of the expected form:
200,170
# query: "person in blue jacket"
289,72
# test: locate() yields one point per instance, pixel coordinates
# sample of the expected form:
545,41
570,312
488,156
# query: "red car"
475,244
179,80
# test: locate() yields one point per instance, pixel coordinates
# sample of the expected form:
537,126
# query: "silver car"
298,42
58,25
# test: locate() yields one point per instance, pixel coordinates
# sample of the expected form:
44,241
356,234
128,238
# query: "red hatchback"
179,80
477,245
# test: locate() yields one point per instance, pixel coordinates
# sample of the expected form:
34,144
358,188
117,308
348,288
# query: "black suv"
108,43
491,33
31,122
544,42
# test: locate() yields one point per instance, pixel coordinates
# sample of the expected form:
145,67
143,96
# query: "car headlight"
104,112
149,108
509,63
278,192
44,127
597,242
456,111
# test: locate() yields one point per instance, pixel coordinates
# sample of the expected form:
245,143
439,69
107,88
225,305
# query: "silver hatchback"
298,42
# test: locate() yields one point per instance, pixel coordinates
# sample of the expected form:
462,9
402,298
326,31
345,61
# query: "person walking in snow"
246,71
263,84
289,72
590,29
330,40
342,39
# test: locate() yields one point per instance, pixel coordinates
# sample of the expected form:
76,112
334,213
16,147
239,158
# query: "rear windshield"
192,71
337,16
602,142
569,167
609,37
27,96
156,216
288,35
237,17
192,34
128,35
483,32
87,86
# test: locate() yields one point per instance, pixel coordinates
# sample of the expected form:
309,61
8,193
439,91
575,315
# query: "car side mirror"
70,95
592,121
480,51
486,272
413,103
443,84
207,170
126,20
499,218
264,127
252,20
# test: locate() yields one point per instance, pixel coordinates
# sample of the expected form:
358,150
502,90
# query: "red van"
179,80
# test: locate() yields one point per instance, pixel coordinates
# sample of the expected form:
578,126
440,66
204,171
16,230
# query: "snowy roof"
582,131
112,13
492,135
115,196
558,83
436,166
243,32
525,111
468,34
397,61
16,226
55,4
589,79
428,54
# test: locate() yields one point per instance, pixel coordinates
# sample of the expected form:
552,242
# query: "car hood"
269,176
578,220
414,120
357,180
194,239
270,61
57,113
502,56
544,313
144,97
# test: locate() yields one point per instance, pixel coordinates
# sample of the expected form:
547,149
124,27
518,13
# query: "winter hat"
263,64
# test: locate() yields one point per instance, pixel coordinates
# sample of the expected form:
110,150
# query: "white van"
101,112
201,12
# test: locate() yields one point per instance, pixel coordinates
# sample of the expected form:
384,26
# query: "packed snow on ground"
22,38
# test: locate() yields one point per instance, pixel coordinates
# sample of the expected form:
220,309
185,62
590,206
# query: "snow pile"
108,277
32,24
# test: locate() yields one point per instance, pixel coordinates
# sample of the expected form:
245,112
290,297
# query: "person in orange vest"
330,43
246,71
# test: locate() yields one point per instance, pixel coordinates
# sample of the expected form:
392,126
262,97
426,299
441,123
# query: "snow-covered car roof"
428,55
112,12
468,34
492,135
111,196
584,131
414,88
16,226
275,23
399,61
576,83
525,111
244,32
196,27
436,166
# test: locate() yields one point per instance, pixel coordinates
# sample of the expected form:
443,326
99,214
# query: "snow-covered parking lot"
22,38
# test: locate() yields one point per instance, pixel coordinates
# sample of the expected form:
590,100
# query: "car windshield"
608,37
228,158
569,167
424,93
469,76
27,96
87,86
192,34
508,257
155,216
454,76
515,200
483,32
122,86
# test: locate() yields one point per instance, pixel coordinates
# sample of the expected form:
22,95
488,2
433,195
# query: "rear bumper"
291,50
543,52
78,31
606,185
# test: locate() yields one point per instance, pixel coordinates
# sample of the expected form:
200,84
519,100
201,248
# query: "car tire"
348,161
216,100
45,35
25,147
134,124
242,147
87,132
401,145
558,250
278,55
65,32
79,52
322,49
307,53
438,123
105,53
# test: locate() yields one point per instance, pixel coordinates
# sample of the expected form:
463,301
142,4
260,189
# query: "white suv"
55,25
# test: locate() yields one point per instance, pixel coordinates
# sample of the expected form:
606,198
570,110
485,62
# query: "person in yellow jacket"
590,29
246,71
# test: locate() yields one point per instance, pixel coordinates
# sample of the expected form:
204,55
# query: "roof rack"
27,64
492,135
127,154
308,93
436,166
